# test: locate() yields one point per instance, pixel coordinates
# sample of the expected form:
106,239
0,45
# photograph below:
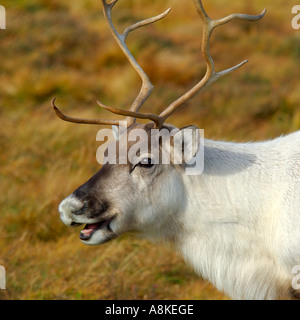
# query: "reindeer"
237,223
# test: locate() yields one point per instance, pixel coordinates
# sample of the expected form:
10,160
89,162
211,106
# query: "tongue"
89,229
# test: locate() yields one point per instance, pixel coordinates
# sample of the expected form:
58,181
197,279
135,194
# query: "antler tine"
211,75
131,114
80,120
147,86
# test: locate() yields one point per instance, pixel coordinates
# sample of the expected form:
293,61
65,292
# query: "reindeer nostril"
80,211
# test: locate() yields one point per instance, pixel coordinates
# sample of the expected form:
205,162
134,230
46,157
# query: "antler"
147,86
210,76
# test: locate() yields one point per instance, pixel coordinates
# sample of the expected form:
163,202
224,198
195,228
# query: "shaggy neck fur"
241,222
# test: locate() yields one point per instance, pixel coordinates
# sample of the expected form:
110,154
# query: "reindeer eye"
146,163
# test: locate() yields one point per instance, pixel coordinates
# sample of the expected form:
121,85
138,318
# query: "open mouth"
90,229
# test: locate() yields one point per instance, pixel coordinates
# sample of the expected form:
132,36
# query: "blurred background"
63,48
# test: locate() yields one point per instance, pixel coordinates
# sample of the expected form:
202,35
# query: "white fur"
237,224
66,207
241,221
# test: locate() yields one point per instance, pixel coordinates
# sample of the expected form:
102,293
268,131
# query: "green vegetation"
63,48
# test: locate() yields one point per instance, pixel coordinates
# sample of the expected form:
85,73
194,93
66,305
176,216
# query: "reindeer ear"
186,144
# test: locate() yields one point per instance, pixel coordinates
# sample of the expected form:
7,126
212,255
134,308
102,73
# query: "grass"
64,49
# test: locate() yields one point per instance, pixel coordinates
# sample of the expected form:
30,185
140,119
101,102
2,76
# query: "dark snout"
91,207
88,203
82,207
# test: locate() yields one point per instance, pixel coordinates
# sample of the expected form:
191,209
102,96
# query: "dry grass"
63,49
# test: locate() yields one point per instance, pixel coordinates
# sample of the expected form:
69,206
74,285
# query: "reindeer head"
141,194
